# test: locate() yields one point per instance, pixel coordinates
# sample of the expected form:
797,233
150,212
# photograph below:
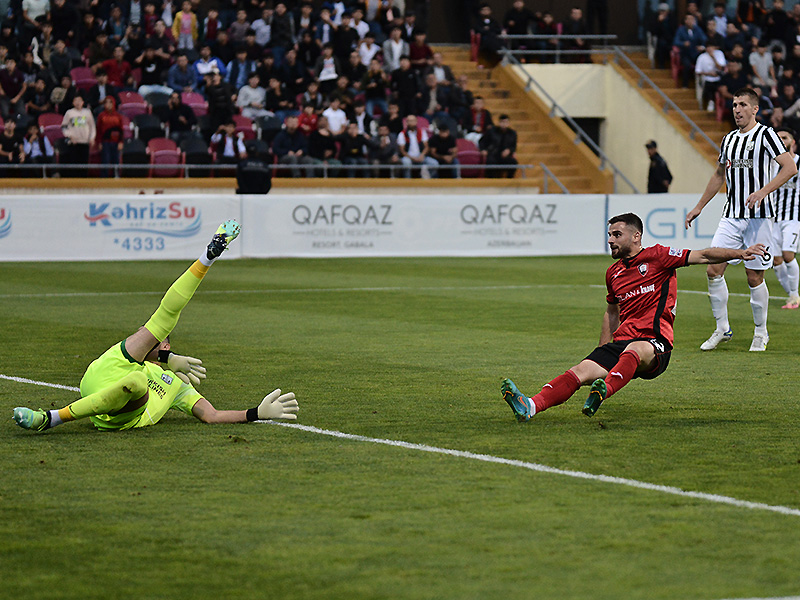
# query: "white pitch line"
471,288
775,598
642,485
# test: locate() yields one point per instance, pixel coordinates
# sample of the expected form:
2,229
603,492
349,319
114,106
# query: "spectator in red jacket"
110,134
117,68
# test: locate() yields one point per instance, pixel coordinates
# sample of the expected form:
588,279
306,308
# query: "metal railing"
321,170
581,135
619,55
558,50
694,130
548,174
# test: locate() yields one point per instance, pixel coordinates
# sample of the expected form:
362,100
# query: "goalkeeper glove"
277,406
186,368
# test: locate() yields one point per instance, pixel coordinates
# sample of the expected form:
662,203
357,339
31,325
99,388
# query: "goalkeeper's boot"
225,234
522,406
597,393
37,420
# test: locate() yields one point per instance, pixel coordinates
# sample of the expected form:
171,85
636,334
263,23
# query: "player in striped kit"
786,228
745,166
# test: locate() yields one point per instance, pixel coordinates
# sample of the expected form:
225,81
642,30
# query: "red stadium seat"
474,45
132,104
127,128
675,63
163,151
83,77
196,102
470,158
244,125
50,125
464,145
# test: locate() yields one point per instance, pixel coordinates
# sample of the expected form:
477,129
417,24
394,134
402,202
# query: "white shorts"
743,233
786,234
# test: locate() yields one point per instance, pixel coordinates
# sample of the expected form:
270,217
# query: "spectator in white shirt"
711,66
251,99
337,119
263,28
229,146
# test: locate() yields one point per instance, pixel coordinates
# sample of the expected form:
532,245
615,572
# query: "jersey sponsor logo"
166,379
643,269
740,163
642,289
156,387
5,222
675,252
169,218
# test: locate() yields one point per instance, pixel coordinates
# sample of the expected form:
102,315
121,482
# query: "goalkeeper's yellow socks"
178,295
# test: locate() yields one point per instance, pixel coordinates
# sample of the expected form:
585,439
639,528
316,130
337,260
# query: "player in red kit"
636,335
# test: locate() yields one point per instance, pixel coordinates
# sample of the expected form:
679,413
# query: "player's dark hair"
629,219
750,93
787,130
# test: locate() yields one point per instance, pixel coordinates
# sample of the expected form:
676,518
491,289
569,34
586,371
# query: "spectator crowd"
754,45
317,86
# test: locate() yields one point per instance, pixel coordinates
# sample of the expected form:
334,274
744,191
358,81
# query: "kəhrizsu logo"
173,219
5,222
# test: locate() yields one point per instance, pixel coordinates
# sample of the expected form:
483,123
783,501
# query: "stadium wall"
124,227
629,121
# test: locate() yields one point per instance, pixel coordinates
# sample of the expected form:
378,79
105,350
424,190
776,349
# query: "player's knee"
135,384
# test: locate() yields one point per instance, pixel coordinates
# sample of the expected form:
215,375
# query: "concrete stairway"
684,98
540,139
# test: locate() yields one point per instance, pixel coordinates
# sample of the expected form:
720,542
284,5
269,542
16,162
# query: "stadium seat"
675,64
50,125
464,145
268,128
449,122
159,105
244,125
146,127
136,75
163,151
719,104
132,104
127,128
474,45
83,77
196,152
196,102
134,152
470,158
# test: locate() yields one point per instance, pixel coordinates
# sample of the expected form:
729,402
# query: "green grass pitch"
402,349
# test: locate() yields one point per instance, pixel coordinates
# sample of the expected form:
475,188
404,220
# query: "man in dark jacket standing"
659,178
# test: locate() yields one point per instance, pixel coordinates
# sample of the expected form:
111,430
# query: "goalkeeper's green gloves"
188,369
277,406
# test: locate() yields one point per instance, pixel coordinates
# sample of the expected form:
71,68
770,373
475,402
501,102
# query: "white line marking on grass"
642,485
45,384
467,288
775,598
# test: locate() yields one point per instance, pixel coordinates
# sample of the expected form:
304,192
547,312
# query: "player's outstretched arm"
716,181
721,255
274,406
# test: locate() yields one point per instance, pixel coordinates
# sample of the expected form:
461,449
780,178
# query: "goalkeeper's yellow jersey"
166,389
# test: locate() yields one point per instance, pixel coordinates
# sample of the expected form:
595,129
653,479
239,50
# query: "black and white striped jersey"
748,159
787,197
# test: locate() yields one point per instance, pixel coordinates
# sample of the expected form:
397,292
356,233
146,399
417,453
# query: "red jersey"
646,289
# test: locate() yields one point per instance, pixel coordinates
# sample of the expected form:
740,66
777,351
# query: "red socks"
622,372
557,391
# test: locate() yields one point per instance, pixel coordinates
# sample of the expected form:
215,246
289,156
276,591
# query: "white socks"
792,277
782,275
55,418
718,295
759,302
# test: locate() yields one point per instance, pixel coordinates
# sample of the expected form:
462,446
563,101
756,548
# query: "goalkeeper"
127,387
